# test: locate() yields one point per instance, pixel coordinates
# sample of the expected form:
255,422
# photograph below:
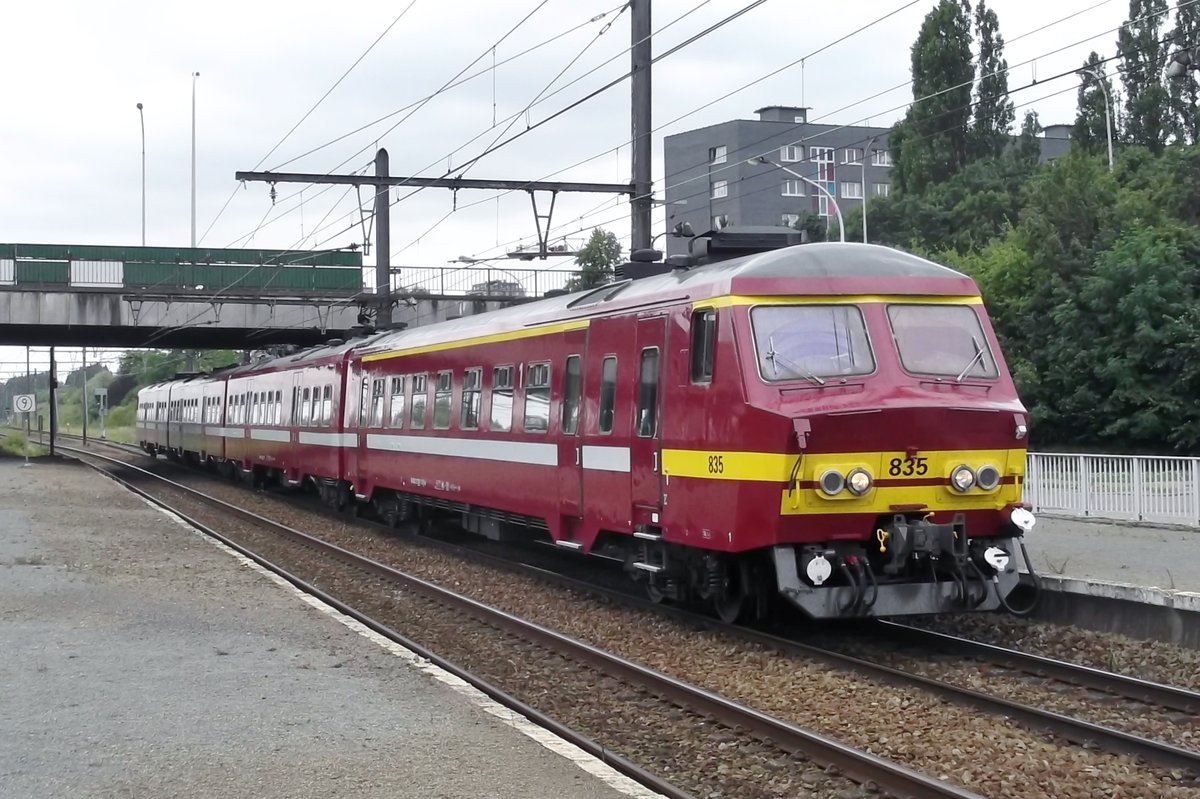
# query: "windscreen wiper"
774,357
977,357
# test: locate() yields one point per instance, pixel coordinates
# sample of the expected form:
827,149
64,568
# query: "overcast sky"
71,74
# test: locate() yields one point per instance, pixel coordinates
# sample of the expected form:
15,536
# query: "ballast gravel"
988,754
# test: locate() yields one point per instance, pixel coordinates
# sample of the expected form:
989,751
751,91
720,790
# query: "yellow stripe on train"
776,467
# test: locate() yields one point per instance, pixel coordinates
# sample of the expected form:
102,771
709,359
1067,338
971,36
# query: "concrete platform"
1137,580
141,660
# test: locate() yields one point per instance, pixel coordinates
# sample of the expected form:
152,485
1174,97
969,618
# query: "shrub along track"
986,753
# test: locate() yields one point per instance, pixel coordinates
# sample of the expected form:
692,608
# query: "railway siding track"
1171,784
838,760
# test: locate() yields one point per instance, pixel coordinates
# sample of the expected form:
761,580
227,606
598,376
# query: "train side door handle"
656,461
577,456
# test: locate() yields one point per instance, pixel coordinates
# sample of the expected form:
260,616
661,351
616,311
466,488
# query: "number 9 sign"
23,403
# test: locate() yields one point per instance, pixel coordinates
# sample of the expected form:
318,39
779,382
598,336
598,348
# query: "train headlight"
988,477
832,482
962,478
859,481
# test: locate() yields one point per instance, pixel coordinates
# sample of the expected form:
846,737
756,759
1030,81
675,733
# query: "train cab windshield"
811,342
941,340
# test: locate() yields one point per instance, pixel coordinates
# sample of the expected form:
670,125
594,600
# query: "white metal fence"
1134,487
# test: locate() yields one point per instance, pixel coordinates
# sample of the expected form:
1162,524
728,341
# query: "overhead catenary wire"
314,107
414,107
775,186
733,162
590,96
519,114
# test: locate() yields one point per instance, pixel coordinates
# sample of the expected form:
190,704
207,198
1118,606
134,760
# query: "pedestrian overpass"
176,297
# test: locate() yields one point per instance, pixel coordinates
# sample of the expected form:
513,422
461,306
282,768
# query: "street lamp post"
762,160
194,76
866,154
1095,75
142,119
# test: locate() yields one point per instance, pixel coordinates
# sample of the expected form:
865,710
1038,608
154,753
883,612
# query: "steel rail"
619,763
1152,693
1075,730
857,765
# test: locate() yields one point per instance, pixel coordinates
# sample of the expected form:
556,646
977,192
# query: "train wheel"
730,603
655,593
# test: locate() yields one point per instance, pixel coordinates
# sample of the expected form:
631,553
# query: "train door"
645,461
570,446
605,424
355,406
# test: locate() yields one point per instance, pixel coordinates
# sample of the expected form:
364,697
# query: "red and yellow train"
829,423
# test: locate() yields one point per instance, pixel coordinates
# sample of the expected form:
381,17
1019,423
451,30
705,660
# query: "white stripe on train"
595,458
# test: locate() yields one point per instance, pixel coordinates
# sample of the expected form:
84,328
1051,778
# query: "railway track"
693,713
1172,706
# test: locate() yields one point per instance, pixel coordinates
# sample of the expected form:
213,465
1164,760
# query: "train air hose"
1037,585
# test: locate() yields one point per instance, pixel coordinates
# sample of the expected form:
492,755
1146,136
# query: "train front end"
906,446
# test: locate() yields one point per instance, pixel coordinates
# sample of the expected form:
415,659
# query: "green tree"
1090,131
930,144
1185,94
597,260
994,112
1147,112
817,227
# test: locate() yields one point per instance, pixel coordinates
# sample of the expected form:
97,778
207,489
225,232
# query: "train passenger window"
468,418
377,402
295,418
537,398
608,393
441,401
704,339
305,407
416,411
396,417
572,389
502,399
647,402
327,406
278,416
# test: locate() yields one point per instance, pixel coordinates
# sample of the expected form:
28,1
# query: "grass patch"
16,445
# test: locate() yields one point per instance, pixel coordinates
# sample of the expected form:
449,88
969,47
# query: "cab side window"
704,339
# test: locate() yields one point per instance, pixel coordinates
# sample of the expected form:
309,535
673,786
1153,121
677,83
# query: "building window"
704,338
572,391
789,220
647,407
852,191
537,398
718,154
881,158
793,188
468,418
441,400
416,409
396,414
821,154
502,399
852,155
720,188
790,153
881,189
608,393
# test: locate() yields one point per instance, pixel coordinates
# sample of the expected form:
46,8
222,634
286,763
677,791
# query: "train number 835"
908,467
716,464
